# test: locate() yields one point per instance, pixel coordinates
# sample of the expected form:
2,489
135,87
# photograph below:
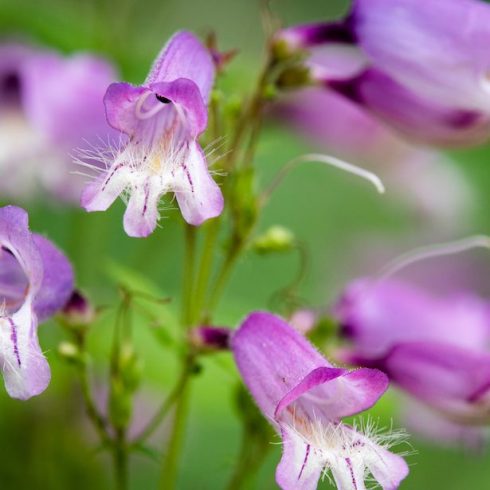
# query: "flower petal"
15,236
141,216
376,315
185,93
452,379
333,393
63,98
198,195
12,58
100,194
25,370
13,281
422,45
301,466
387,468
272,358
413,114
119,100
58,282
184,56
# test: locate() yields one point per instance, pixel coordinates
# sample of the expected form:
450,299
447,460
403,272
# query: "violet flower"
305,398
423,66
163,120
49,106
36,280
434,348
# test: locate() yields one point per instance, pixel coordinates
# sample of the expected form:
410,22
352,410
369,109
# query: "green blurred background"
45,444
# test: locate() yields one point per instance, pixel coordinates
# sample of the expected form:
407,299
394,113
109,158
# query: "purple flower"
163,120
50,105
435,348
425,69
305,398
36,280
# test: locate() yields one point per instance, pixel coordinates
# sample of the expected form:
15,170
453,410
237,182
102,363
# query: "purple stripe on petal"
307,454
13,338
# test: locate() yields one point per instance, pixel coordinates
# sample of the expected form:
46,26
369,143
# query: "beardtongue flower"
305,398
36,280
424,66
163,119
50,105
435,348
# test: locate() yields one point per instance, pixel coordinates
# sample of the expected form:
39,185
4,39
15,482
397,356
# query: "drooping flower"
305,398
36,280
163,119
436,348
422,66
50,105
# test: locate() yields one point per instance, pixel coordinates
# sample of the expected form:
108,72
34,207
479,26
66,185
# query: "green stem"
120,455
170,467
188,279
93,414
204,273
223,276
170,462
163,411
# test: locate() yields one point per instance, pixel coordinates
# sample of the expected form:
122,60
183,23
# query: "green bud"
70,352
78,313
270,92
130,368
293,77
281,50
275,239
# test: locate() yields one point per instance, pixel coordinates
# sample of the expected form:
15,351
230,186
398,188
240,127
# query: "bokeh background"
347,228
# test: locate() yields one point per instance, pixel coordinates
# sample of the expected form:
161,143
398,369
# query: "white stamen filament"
327,160
432,251
332,444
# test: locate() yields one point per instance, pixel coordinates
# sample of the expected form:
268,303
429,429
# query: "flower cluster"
373,86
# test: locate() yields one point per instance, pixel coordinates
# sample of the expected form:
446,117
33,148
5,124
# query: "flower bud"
206,338
71,353
275,239
295,77
78,311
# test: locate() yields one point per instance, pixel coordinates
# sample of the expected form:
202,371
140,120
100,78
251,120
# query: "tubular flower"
434,348
49,105
162,119
424,69
305,398
36,280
